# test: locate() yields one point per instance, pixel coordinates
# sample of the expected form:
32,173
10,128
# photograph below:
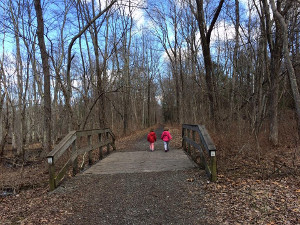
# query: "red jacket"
166,136
151,137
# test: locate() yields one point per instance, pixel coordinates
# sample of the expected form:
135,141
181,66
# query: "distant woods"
127,65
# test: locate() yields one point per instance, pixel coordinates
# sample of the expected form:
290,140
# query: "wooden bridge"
132,186
88,147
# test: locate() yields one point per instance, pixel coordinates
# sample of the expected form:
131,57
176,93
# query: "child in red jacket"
166,137
151,138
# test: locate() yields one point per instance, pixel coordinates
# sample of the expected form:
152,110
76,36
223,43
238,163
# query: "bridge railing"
204,144
73,145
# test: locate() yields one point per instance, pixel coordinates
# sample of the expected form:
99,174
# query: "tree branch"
217,13
81,32
93,105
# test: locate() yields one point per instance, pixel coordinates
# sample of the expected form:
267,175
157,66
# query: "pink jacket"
166,136
151,137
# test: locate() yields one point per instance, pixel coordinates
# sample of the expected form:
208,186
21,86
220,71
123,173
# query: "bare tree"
275,46
236,48
167,32
288,62
69,87
46,71
4,125
205,36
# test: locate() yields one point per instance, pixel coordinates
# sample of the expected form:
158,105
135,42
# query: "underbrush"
257,183
241,155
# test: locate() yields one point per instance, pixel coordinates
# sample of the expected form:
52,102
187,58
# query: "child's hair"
151,130
166,129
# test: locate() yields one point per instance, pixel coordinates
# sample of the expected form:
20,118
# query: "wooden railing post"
113,143
100,148
75,162
90,152
183,141
52,176
213,165
189,145
107,146
194,137
51,173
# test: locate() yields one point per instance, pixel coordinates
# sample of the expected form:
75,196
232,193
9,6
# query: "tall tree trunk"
15,14
104,77
274,92
275,47
148,101
205,42
176,66
289,65
101,107
46,71
3,124
235,59
127,77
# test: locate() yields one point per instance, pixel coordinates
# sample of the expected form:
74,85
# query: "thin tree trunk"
235,59
127,77
148,99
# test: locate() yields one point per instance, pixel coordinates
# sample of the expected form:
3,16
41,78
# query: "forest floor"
257,184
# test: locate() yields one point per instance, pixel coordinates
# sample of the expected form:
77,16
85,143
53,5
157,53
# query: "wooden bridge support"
108,145
205,146
71,158
90,152
52,177
189,145
100,148
75,162
213,167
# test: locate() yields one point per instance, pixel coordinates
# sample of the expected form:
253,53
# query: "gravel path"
168,197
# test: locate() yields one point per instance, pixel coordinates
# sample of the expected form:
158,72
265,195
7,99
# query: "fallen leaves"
263,202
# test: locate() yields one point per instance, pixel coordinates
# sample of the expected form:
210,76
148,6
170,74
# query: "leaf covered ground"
255,185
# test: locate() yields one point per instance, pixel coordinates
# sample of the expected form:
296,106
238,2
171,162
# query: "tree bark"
275,46
46,71
288,62
205,42
235,59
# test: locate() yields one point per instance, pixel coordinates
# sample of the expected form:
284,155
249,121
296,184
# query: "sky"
223,28
141,21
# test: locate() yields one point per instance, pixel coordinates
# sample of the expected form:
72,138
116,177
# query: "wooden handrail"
206,143
105,138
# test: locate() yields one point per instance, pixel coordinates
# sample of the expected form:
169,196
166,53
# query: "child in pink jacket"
151,138
166,137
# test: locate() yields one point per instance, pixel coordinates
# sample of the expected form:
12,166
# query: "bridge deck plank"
142,161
